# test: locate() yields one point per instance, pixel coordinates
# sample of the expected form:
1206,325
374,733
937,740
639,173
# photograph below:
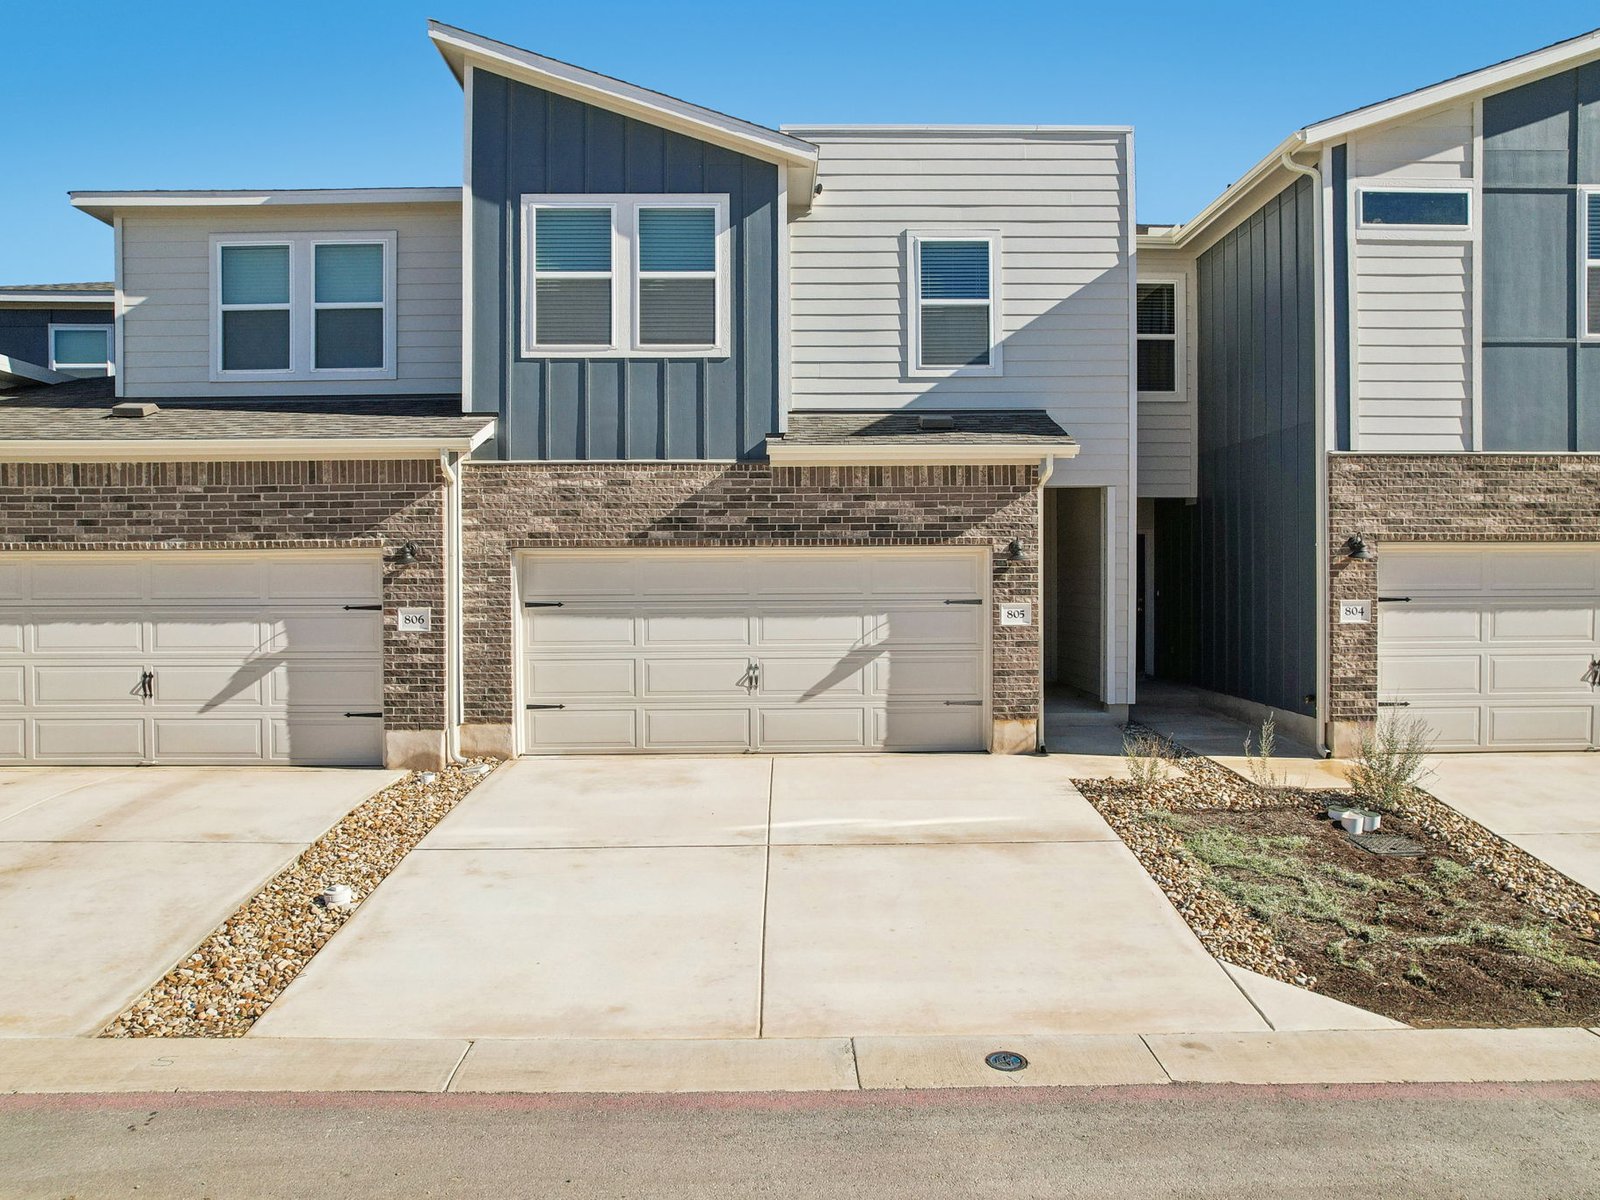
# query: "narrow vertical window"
1591,264
572,274
348,329
955,317
677,276
1158,339
254,302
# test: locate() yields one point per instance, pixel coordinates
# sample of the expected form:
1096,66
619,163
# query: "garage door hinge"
363,608
542,604
963,601
1394,599
372,714
541,706
964,703
1394,704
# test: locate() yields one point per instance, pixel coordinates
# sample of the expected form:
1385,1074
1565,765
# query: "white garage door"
679,650
1492,643
190,657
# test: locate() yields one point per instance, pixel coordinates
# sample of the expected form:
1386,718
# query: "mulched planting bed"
229,980
1474,932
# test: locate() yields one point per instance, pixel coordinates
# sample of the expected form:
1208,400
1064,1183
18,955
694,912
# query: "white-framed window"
303,306
954,310
1159,334
1413,211
619,276
82,350
1589,265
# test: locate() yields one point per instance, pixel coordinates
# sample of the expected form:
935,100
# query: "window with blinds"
304,306
1157,331
953,322
612,276
1590,284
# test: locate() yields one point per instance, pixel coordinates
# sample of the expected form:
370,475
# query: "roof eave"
104,206
788,454
233,449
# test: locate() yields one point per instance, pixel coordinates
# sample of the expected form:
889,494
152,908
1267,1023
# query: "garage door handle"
541,707
1394,704
543,604
964,703
147,682
376,714
963,601
363,608
1394,599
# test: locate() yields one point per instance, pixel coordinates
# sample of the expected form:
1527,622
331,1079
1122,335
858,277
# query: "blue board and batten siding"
1541,382
1236,569
528,141
25,332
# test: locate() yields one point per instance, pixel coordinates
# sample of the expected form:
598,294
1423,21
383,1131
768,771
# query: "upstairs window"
1589,283
303,306
618,276
1442,209
1158,359
954,323
81,350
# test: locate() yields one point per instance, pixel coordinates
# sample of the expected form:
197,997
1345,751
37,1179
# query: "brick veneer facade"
1438,498
511,506
178,507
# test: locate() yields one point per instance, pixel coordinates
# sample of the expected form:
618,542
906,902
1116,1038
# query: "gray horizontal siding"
528,141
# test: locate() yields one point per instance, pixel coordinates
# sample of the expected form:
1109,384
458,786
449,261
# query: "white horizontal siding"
1436,146
1168,428
166,281
1060,203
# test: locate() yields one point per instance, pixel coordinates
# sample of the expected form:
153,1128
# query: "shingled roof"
960,435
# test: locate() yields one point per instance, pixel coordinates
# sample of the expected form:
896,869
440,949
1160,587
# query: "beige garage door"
678,650
1492,643
190,657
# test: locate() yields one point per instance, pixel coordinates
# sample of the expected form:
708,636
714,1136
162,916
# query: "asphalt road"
1388,1141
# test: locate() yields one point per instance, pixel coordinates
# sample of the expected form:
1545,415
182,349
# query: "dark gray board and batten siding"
25,332
1541,383
1236,569
528,141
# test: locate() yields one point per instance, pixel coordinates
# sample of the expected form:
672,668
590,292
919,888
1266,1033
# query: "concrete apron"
61,1065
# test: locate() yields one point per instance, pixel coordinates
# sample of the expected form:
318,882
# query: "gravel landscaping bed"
1476,932
229,980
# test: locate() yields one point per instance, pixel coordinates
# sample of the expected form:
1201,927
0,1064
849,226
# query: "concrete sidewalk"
59,1065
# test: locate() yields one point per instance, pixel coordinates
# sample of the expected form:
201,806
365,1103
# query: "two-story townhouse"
667,431
52,332
1370,400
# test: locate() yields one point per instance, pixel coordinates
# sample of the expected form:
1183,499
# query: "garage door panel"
322,632
1543,674
906,673
13,739
777,576
12,689
1520,571
180,740
667,577
328,580
81,579
946,576
952,625
87,633
356,683
1431,571
576,577
819,728
586,678
212,632
707,677
1544,725
567,627
814,676
1548,623
929,727
204,688
1454,728
695,628
101,686
326,740
13,635
212,579
13,581
582,729
1430,674
696,728
820,627
1423,625
89,739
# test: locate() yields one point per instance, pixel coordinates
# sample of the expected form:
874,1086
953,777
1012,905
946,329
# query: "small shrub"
1148,756
1389,762
1264,773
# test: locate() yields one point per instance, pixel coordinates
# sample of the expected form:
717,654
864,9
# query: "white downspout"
1319,320
454,681
1047,468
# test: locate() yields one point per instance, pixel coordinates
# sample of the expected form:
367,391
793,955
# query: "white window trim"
1411,233
1581,282
1177,337
915,369
302,306
56,364
625,274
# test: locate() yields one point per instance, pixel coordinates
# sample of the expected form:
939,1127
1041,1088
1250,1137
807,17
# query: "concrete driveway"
1549,804
748,897
109,875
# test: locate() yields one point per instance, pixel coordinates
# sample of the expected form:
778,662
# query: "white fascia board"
1180,235
998,131
1496,77
104,205
461,48
994,454
21,371
234,449
59,299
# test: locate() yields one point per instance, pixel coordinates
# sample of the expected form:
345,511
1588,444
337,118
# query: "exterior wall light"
1015,551
1357,550
406,555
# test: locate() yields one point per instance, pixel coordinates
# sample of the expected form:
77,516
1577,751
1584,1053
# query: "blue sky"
336,94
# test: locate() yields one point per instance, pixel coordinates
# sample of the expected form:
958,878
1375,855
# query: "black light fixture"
406,555
1357,550
1015,551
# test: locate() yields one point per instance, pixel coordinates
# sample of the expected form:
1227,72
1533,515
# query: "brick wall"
1439,498
257,506
522,505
